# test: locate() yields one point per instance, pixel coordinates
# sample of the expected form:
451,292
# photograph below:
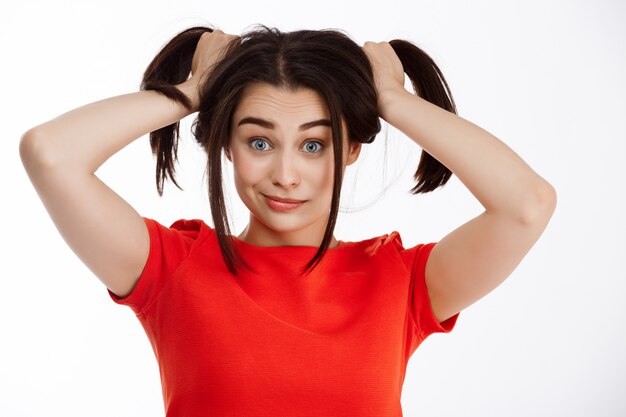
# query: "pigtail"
428,83
171,66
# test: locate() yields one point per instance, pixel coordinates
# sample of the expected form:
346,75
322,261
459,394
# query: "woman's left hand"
387,68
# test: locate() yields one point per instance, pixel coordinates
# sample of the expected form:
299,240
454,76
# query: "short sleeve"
169,247
419,302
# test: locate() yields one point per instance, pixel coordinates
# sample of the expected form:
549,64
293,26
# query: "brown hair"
326,61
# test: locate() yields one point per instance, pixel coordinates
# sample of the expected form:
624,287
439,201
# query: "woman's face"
281,147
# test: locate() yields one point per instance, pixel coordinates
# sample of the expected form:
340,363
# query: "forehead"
261,99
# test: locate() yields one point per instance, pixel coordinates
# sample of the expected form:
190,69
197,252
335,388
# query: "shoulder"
191,227
374,246
182,232
381,248
391,247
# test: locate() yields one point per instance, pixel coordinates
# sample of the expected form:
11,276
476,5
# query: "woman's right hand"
208,53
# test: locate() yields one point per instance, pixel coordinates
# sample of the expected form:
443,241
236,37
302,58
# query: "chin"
284,225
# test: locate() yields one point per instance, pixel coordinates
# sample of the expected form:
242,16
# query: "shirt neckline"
247,245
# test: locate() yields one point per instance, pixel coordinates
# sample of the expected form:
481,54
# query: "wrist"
387,98
190,89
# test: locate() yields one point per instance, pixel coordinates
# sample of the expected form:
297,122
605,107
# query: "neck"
263,236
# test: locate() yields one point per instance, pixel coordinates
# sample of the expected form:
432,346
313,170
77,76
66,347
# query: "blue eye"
257,140
257,144
319,144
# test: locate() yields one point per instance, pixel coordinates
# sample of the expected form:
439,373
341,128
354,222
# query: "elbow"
541,207
33,153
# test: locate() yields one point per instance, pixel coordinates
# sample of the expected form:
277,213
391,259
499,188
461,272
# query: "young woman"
284,319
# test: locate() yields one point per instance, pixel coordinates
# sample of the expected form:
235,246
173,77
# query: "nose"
285,172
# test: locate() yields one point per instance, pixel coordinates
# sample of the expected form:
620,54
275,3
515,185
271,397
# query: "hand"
387,68
208,53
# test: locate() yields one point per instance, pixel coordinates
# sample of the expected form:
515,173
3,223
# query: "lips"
284,200
283,204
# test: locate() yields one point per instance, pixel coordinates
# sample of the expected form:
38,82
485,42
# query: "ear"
227,152
355,150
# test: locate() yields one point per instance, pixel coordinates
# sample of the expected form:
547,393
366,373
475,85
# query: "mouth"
282,204
284,200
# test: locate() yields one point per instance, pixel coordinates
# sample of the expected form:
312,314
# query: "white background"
547,78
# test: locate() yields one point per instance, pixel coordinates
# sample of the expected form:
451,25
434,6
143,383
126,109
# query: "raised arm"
61,157
478,256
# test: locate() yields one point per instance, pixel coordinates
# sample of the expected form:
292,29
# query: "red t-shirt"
333,343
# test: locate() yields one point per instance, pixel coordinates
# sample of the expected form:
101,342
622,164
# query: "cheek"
246,169
325,181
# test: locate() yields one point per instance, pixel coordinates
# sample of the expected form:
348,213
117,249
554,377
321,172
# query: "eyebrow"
269,125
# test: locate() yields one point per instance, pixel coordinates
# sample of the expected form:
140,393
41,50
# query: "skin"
111,238
285,162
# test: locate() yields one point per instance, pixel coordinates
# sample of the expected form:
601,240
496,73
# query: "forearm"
84,138
493,172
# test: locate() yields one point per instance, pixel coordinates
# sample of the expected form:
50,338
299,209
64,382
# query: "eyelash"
320,149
